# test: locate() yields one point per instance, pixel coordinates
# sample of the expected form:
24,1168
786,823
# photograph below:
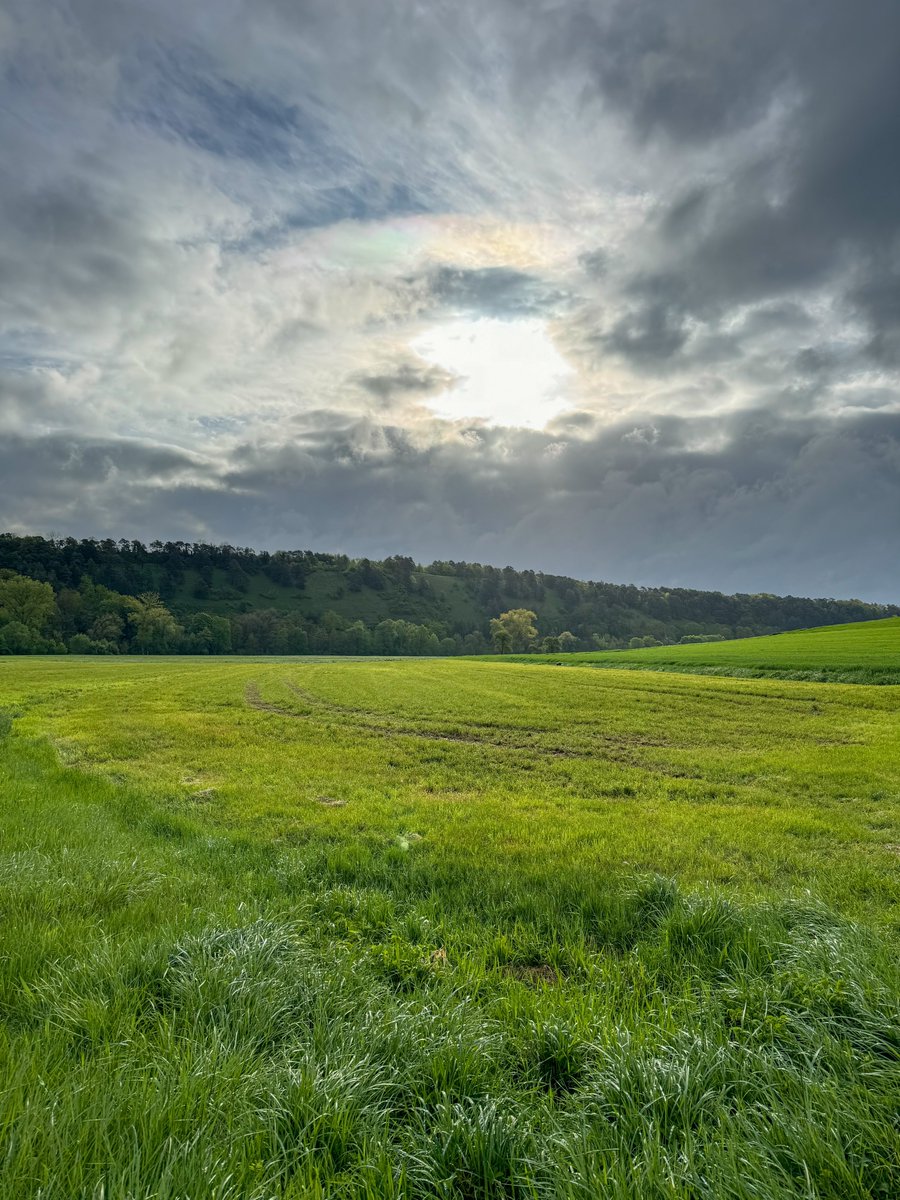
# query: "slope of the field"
399,928
867,652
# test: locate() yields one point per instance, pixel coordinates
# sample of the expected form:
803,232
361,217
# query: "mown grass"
865,652
443,929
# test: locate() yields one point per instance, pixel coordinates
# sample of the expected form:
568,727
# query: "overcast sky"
604,289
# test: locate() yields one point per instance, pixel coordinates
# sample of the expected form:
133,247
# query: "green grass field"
865,652
435,928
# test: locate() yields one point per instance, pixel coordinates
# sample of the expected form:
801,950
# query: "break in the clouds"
610,289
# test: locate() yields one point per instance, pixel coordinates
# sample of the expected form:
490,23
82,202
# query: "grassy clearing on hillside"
444,598
865,652
443,929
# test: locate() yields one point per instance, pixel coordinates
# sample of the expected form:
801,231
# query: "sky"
607,289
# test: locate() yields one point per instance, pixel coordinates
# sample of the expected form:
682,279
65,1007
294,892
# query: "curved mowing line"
381,729
616,749
619,749
334,706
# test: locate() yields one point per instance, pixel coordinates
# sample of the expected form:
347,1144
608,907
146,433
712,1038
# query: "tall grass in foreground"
191,1015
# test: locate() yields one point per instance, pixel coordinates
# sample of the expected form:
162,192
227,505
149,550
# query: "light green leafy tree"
155,630
514,629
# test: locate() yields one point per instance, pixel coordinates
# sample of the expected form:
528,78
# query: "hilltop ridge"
228,598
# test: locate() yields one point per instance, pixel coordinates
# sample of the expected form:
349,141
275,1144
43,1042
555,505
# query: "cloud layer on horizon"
226,232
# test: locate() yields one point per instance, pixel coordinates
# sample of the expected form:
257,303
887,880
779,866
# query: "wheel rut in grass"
621,749
255,700
474,731
368,722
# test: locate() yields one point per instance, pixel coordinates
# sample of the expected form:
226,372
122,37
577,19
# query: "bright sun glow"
508,372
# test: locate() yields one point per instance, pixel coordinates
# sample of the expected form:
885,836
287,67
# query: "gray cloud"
662,506
223,234
649,336
412,379
816,202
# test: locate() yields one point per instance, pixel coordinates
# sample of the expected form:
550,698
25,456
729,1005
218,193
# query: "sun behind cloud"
506,372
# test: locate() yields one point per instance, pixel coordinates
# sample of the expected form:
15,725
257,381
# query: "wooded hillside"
184,597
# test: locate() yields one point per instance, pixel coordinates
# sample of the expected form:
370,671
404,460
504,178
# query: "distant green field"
865,652
435,928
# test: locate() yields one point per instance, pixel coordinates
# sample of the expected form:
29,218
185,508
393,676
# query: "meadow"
864,652
437,928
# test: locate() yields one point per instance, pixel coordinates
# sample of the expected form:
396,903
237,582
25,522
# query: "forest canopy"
113,597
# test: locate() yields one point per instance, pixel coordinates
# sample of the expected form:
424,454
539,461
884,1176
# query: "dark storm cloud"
821,197
61,462
56,482
655,498
878,299
694,68
649,336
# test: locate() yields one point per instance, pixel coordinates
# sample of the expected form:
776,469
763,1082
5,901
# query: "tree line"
516,630
93,619
105,596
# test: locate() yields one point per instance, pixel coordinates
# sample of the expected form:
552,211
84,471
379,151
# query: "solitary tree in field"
518,625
